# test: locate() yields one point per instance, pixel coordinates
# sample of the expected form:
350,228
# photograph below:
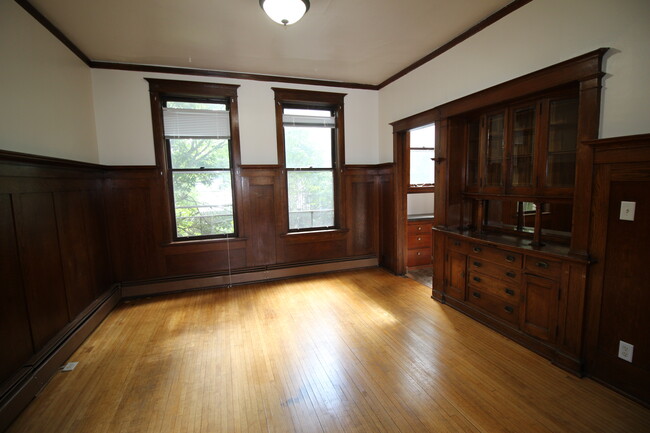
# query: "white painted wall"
124,131
539,34
46,91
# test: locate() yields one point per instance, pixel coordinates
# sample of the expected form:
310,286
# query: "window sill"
179,243
315,235
421,189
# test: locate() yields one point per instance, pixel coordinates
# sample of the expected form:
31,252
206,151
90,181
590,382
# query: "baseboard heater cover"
135,290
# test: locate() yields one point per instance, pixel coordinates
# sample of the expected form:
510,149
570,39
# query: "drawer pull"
419,253
509,309
542,265
510,292
510,274
477,249
476,295
510,259
477,264
456,243
419,239
477,279
419,228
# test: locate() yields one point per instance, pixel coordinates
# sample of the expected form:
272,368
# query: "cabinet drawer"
419,241
419,228
507,291
493,305
495,255
419,257
502,272
542,266
456,244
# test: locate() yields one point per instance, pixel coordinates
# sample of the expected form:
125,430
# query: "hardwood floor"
359,351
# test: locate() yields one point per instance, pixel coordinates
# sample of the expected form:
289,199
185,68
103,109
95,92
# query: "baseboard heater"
244,276
19,391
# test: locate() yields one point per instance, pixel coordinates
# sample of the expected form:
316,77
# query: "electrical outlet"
627,210
69,366
625,351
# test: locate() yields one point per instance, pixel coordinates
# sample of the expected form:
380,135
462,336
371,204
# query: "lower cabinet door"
457,275
538,316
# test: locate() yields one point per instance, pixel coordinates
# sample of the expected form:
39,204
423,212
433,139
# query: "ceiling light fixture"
285,12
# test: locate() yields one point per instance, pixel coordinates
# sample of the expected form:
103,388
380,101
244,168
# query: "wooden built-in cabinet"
419,242
512,205
532,296
525,148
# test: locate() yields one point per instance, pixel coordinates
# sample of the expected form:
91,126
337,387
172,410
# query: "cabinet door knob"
476,294
542,265
477,264
509,309
419,253
510,292
510,274
477,249
510,259
477,279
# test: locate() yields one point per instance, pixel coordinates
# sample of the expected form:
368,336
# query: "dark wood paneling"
206,261
40,256
15,337
625,298
260,189
78,267
134,224
362,215
387,220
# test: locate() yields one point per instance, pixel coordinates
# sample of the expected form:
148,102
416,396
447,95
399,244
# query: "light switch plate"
627,210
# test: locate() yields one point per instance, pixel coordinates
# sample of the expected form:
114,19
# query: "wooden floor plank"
358,351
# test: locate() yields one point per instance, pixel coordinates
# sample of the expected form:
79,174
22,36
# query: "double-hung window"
421,153
196,144
310,146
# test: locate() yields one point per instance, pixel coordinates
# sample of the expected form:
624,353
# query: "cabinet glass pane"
473,149
494,150
562,139
523,146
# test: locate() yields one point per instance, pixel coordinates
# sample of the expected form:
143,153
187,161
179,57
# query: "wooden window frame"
159,92
293,98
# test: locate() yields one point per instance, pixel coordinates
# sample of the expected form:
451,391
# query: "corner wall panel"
15,337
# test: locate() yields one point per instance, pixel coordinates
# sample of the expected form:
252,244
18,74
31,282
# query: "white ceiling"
357,41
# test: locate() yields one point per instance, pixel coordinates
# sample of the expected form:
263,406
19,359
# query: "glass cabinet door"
561,143
494,147
473,154
522,147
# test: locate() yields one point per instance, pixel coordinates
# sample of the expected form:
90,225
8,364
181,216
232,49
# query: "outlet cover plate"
625,351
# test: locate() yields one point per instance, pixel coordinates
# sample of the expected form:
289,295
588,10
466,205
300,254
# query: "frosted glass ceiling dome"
285,12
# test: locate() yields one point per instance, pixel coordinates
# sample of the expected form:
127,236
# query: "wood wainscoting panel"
362,211
261,197
40,257
15,336
134,225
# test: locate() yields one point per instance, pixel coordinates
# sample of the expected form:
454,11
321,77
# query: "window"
196,149
310,149
421,153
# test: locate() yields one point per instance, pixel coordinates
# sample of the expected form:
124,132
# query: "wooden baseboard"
178,285
39,374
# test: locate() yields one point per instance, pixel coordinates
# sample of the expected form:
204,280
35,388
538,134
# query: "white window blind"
318,121
183,123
